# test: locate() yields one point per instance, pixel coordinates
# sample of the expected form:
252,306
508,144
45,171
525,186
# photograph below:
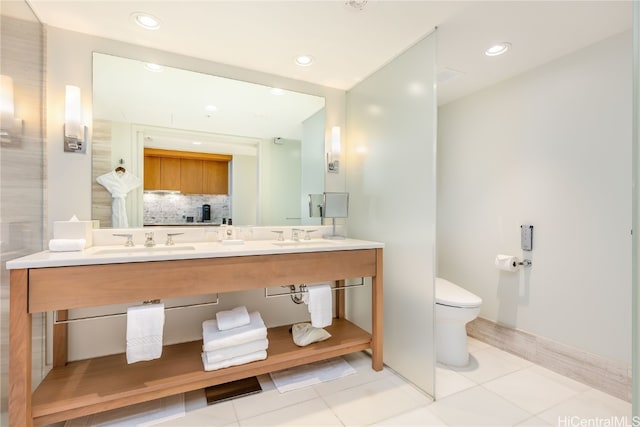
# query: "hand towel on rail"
229,319
234,361
236,350
213,338
145,324
320,306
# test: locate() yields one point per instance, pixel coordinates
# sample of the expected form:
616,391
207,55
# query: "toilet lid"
453,295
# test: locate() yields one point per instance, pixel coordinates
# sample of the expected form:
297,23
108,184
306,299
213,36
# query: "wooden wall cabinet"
161,173
185,171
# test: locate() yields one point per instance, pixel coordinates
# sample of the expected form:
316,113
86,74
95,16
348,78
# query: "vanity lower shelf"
94,385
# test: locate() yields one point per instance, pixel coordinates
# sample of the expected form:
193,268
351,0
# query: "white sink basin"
227,242
312,242
141,249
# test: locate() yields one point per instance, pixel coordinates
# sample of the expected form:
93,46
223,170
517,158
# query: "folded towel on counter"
145,324
234,361
230,319
320,305
236,350
213,338
66,245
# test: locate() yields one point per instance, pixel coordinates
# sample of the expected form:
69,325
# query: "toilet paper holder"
524,262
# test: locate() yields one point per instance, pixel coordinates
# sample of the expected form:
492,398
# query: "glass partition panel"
391,145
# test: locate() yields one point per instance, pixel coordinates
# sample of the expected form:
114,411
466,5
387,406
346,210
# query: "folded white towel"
229,319
236,350
213,338
66,245
234,361
145,324
320,305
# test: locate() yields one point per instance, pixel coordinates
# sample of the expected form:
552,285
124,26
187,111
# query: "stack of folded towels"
234,337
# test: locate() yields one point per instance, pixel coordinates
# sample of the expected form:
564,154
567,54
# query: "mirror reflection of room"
199,147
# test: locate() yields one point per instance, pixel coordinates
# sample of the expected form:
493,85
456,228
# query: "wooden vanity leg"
376,314
60,341
19,350
340,310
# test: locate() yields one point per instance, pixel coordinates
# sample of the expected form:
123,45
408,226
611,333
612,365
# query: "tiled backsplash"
175,208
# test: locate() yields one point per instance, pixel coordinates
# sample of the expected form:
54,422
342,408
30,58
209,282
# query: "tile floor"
496,389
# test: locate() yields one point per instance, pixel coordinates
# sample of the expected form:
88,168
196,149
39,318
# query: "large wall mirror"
275,137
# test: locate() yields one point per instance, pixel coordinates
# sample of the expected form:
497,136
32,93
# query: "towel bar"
304,290
56,321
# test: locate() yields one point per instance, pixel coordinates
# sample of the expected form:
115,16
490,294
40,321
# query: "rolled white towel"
234,361
213,338
236,350
66,245
229,319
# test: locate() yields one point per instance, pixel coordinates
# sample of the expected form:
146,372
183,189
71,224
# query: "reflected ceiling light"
276,91
153,67
304,60
498,49
210,109
356,4
146,21
196,142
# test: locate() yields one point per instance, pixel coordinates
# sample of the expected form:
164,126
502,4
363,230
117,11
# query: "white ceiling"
350,44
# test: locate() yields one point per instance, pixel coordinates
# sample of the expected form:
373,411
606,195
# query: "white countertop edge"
202,250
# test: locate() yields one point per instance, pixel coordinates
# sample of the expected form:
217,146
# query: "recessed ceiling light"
498,49
146,21
211,108
304,60
153,67
356,4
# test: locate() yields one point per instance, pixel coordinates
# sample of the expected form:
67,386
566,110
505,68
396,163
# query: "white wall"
551,148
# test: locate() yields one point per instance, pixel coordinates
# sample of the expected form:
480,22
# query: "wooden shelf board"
95,385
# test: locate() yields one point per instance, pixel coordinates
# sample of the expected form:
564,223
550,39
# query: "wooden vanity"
84,387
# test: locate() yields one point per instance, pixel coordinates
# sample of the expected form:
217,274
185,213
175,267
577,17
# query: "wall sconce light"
10,127
75,133
333,157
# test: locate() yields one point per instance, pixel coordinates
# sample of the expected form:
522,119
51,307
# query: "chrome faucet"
149,242
170,238
129,237
295,234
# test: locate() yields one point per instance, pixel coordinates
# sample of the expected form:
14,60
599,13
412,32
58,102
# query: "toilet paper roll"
507,263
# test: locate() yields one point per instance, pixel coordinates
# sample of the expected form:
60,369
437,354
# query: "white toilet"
455,307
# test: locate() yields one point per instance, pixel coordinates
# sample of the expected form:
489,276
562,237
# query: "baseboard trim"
596,371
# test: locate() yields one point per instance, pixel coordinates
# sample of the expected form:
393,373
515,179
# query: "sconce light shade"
6,97
333,158
74,131
10,127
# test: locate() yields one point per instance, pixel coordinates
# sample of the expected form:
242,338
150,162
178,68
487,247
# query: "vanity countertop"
184,224
118,254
